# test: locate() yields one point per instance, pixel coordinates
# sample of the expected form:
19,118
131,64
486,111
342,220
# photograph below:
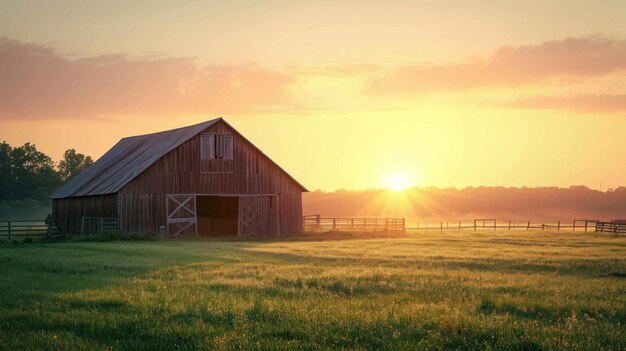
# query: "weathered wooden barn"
205,179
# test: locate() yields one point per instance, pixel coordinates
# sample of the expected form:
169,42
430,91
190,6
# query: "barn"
204,179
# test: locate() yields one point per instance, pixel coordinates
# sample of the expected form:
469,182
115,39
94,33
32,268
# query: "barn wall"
68,212
182,171
139,213
290,213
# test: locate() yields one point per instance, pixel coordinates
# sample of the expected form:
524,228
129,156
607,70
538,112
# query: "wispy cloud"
342,71
510,66
582,103
37,82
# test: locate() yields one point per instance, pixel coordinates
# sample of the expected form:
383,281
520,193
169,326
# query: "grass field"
485,290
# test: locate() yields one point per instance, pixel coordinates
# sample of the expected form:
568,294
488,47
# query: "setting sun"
398,182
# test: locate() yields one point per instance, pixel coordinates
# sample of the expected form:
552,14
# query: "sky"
342,94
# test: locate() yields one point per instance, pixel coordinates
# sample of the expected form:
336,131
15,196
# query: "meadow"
480,290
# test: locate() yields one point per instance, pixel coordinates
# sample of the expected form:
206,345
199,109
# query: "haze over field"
424,204
341,94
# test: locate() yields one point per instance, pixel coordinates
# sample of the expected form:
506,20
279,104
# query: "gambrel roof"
130,157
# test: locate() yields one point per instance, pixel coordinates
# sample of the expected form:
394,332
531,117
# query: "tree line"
28,177
547,204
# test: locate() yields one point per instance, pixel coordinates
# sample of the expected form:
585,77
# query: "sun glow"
398,182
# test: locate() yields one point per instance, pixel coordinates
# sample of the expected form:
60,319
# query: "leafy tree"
31,174
5,170
28,177
72,164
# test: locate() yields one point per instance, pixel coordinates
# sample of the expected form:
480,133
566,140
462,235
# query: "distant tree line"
503,203
28,177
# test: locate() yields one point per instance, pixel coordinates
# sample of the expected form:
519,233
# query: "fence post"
334,223
441,226
459,225
558,227
509,225
495,224
528,227
574,226
474,225
585,225
9,223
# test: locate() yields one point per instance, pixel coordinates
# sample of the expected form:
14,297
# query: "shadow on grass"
573,267
549,313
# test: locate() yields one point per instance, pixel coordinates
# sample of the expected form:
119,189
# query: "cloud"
603,103
510,66
38,82
339,71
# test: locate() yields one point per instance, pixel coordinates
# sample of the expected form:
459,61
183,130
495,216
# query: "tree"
26,172
5,170
72,164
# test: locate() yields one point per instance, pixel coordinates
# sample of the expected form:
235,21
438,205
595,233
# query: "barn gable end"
269,199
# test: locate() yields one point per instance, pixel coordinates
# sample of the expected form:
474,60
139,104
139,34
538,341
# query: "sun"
398,182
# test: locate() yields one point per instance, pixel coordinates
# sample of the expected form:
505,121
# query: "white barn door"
181,215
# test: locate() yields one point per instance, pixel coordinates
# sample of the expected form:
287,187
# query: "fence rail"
480,223
98,225
319,223
27,228
611,227
316,222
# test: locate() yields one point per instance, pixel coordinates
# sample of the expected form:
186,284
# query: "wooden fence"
618,226
318,223
25,228
494,224
98,225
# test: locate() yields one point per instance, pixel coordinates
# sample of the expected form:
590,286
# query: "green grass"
485,290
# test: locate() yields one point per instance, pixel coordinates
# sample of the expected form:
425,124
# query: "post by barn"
204,179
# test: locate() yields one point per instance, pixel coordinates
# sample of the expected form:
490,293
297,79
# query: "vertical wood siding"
68,212
183,171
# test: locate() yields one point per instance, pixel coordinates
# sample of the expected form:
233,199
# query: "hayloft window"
216,146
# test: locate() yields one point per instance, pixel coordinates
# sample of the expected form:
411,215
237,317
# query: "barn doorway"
217,215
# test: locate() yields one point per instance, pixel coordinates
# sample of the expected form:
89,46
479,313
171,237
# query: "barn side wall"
182,171
290,213
68,212
139,213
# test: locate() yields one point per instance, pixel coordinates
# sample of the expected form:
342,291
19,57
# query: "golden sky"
342,94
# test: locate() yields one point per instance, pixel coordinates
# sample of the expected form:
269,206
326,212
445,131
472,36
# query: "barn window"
216,146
